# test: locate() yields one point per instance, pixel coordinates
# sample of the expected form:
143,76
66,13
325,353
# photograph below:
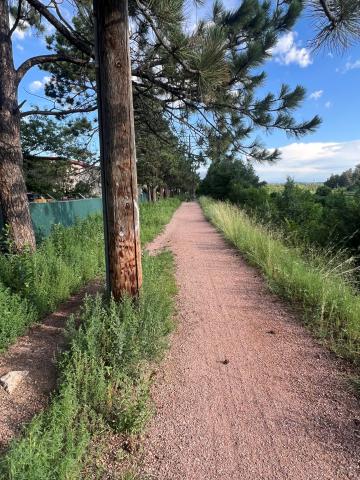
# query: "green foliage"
162,157
350,179
200,79
337,23
225,178
315,215
33,284
320,285
48,147
15,315
65,261
105,375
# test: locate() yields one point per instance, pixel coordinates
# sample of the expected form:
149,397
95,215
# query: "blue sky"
332,84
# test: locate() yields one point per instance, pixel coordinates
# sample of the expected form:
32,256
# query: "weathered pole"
117,148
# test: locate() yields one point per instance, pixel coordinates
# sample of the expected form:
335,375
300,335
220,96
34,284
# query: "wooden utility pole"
117,148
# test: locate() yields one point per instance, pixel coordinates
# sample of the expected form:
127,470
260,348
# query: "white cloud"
287,51
351,66
37,85
313,161
22,30
316,95
328,104
19,47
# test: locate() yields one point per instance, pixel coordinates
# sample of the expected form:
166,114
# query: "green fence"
45,215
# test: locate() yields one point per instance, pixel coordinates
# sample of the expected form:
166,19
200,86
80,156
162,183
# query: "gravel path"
245,393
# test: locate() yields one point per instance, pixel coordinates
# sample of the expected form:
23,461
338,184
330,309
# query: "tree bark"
13,198
154,193
117,148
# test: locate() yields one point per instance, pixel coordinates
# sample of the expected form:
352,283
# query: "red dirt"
35,352
245,393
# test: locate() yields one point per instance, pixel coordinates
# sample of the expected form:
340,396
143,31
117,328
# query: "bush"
15,315
105,375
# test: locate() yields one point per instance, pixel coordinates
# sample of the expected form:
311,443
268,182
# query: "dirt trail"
245,393
35,352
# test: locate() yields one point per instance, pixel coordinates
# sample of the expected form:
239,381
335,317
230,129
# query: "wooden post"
117,148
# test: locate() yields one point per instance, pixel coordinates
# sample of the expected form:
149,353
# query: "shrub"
15,315
105,375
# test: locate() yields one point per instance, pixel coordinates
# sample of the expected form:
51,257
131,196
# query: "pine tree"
337,23
200,77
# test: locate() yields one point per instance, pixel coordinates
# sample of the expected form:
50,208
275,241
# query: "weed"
68,259
104,376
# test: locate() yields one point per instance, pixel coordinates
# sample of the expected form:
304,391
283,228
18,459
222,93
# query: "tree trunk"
117,147
154,194
13,198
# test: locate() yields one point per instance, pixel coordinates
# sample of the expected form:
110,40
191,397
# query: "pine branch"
162,40
328,13
31,62
59,113
17,19
74,39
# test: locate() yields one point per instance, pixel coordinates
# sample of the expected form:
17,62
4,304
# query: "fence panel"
45,215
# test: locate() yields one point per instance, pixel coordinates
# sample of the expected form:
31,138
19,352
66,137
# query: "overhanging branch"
38,60
59,113
74,39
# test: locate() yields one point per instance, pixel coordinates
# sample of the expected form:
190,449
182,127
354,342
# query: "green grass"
39,282
31,285
329,300
155,216
104,376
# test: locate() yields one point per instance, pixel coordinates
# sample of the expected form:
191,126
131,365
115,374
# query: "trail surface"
245,393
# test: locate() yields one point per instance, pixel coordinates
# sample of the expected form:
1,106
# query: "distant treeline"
350,179
328,217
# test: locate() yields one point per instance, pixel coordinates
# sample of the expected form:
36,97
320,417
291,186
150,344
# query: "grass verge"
104,376
329,301
31,285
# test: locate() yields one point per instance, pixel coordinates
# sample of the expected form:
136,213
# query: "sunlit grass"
321,285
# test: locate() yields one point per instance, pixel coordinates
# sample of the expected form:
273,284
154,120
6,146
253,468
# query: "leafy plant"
105,378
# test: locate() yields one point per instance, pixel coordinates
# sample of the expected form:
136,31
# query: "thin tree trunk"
117,146
13,198
154,194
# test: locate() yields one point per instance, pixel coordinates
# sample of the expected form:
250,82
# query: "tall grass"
105,375
155,216
104,380
32,285
40,281
329,301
